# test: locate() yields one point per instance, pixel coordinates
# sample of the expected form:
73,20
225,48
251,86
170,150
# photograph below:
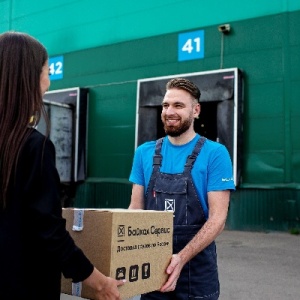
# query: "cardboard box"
135,245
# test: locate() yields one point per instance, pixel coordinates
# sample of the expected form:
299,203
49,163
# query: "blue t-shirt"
212,170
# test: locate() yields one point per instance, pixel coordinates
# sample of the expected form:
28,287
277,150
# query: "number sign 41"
191,45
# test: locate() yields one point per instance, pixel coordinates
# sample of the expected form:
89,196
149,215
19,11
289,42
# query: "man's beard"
175,131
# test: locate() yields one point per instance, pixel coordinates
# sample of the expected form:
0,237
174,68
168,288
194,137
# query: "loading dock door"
67,111
221,109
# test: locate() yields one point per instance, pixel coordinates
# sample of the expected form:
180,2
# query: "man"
192,176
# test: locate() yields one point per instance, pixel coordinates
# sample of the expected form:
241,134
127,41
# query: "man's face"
178,112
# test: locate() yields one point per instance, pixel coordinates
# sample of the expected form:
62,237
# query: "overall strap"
157,157
192,158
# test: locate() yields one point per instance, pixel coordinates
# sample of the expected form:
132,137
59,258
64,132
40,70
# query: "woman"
35,247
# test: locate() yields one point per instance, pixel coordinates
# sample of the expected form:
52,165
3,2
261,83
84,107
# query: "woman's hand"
105,288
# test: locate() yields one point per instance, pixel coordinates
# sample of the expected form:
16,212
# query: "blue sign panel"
56,67
191,45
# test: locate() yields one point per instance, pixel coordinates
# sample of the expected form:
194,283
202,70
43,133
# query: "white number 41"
188,46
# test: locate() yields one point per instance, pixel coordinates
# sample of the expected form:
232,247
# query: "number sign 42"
56,67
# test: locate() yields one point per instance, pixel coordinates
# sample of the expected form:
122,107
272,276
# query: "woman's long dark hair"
21,60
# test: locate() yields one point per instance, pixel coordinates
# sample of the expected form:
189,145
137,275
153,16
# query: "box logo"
170,205
121,231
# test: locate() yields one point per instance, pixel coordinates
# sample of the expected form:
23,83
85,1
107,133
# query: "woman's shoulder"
35,135
37,141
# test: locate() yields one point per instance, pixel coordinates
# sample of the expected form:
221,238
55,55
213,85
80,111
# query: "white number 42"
56,68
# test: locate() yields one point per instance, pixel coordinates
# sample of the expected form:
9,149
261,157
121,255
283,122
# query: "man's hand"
174,270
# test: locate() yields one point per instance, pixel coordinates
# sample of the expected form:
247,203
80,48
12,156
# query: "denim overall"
176,192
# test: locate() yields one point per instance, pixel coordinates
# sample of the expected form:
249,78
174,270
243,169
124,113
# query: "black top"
34,244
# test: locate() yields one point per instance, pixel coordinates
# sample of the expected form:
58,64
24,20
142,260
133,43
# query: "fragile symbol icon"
133,273
121,273
145,270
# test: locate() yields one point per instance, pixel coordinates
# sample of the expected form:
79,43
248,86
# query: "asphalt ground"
256,266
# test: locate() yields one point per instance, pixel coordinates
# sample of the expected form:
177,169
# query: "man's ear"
197,110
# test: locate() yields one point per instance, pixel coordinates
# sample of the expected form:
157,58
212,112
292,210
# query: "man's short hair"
184,84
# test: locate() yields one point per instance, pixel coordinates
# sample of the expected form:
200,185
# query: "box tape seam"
78,220
76,289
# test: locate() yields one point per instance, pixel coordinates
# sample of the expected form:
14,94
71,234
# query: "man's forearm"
205,236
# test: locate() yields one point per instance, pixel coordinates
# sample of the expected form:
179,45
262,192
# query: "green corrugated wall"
265,48
71,25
